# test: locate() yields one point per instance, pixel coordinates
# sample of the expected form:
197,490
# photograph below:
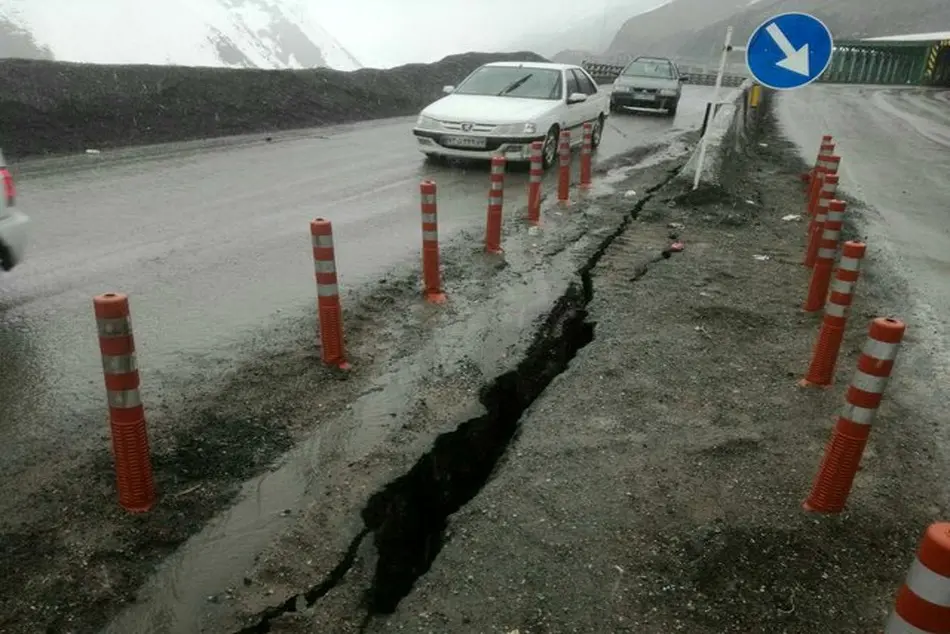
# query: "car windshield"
649,68
523,82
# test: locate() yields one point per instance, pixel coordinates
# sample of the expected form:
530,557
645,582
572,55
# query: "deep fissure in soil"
408,517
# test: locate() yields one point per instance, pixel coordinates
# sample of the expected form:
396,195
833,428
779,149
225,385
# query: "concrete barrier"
726,138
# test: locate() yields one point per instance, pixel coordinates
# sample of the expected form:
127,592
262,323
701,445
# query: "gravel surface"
656,485
56,107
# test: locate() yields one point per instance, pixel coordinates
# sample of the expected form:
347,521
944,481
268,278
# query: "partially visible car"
502,107
648,82
13,223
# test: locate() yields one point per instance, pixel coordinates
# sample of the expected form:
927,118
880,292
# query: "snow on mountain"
235,33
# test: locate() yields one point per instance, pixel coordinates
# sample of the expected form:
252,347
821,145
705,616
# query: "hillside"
17,42
649,32
574,42
56,107
229,33
669,30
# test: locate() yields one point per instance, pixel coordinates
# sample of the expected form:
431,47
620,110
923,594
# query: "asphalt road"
210,240
895,149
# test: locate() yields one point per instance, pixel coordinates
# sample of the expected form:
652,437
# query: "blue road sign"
789,51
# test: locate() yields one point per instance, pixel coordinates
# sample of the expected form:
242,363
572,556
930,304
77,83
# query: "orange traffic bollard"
843,453
923,602
825,358
825,260
535,177
828,185
564,170
329,312
587,150
829,165
431,273
825,148
817,224
496,199
133,462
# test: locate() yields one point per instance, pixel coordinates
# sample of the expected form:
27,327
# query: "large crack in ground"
409,516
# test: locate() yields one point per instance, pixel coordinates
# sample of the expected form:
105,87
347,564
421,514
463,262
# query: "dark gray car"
648,82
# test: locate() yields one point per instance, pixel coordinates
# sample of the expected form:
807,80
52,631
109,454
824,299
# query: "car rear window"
513,81
649,68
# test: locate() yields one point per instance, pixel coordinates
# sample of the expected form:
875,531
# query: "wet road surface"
210,240
895,149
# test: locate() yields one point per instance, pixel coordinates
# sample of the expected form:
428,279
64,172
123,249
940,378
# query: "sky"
383,33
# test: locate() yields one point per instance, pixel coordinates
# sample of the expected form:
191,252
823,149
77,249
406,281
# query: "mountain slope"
677,35
234,33
645,33
17,42
586,33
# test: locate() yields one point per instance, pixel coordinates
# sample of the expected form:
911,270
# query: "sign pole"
715,100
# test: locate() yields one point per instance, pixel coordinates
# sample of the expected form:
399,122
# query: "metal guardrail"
607,73
895,62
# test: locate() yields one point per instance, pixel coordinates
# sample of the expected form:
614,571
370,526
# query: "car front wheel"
597,133
549,151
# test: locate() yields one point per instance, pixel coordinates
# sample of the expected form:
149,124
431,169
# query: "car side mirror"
684,79
576,97
448,89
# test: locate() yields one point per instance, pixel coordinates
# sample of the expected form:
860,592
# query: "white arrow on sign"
795,60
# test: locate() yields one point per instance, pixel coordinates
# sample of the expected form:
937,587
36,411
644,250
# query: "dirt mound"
55,107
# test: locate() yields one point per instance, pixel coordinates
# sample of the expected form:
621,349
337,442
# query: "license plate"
474,142
646,96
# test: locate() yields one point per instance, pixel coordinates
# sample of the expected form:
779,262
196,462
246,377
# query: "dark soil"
58,107
75,557
656,485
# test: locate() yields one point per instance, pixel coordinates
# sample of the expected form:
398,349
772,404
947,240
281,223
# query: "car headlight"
621,88
668,92
517,129
425,122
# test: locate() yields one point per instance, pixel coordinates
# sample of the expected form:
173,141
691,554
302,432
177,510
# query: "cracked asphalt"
210,241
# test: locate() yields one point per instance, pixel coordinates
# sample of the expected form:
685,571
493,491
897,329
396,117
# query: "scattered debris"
677,247
90,151
676,225
762,258
792,217
630,194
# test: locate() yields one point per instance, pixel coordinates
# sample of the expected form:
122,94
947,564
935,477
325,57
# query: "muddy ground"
656,485
74,574
58,107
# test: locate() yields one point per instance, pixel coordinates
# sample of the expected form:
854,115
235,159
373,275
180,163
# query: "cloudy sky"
392,32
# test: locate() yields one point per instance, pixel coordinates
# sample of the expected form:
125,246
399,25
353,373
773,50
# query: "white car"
13,223
502,107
